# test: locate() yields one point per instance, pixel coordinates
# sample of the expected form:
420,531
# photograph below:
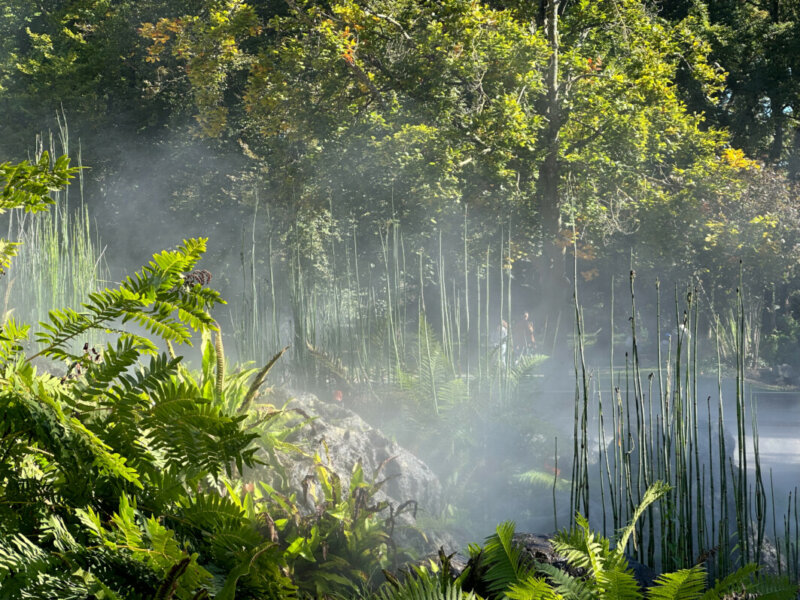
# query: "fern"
148,542
95,469
29,572
616,584
507,564
155,298
11,336
565,584
582,548
8,250
686,584
210,511
189,430
523,367
116,361
542,480
422,585
743,580
28,185
653,493
732,582
533,588
774,588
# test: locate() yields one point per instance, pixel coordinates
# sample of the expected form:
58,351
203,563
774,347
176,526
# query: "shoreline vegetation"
550,249
142,473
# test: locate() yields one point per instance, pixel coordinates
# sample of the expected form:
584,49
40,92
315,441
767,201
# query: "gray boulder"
408,482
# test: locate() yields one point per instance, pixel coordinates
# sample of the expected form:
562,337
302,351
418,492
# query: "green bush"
123,477
501,569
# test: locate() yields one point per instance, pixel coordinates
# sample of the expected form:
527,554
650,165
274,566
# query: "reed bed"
370,311
663,428
60,259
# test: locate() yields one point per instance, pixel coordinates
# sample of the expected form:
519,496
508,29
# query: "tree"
756,44
404,109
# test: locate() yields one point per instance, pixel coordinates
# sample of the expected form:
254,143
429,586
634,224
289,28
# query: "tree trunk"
793,162
548,193
778,118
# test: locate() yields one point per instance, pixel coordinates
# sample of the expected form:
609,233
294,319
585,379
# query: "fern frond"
233,538
686,584
581,548
116,361
655,492
8,250
732,582
773,588
11,334
211,511
107,462
615,584
149,379
30,406
28,185
66,325
152,298
532,588
27,571
191,431
506,562
423,585
568,586
159,322
524,366
542,479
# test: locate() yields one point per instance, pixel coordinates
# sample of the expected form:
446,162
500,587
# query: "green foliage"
343,544
543,480
686,584
111,478
596,570
433,106
655,492
28,186
422,584
107,436
507,564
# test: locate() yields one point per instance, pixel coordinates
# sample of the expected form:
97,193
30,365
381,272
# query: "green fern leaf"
532,588
686,584
773,588
615,584
582,549
732,582
506,562
653,493
565,584
542,480
8,250
424,585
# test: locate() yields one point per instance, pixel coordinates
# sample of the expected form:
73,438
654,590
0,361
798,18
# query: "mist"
551,287
399,323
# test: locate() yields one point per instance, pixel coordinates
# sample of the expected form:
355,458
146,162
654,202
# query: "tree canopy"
615,118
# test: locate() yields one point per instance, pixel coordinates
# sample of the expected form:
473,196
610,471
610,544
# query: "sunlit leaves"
156,298
28,186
